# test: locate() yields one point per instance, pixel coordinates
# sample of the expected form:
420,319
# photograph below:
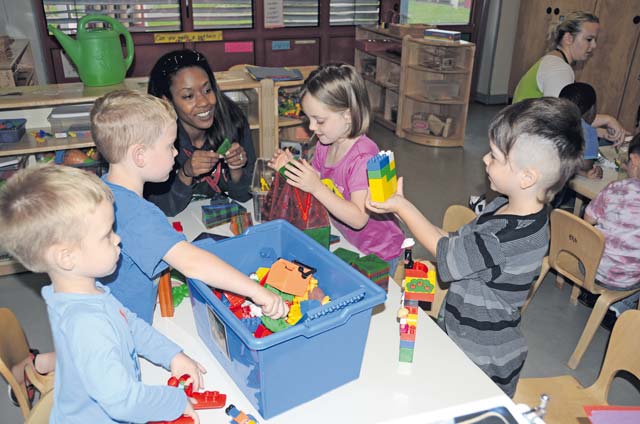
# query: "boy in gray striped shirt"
536,146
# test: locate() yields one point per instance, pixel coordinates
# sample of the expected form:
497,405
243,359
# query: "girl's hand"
392,205
181,364
279,159
595,173
201,162
272,305
302,175
190,412
236,157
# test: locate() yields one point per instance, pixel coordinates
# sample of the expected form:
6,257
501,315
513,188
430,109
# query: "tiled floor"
435,178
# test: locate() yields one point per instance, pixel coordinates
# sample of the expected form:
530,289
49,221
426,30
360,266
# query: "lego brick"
425,297
406,355
407,344
346,255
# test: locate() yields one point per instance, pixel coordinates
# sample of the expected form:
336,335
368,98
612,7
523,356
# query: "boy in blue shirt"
59,220
135,133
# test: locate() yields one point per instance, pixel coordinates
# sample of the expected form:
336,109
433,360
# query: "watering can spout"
70,46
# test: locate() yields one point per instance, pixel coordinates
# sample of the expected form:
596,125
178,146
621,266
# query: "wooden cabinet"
614,68
37,101
534,21
434,91
377,59
16,65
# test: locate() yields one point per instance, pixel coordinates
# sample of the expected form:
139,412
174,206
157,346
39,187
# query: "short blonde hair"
124,118
45,205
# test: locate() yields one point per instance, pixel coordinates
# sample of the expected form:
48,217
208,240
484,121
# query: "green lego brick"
274,325
320,234
283,295
406,355
346,255
377,173
224,147
371,264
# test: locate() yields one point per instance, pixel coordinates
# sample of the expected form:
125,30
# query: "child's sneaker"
477,203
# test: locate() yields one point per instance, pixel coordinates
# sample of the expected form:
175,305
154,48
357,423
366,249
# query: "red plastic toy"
206,399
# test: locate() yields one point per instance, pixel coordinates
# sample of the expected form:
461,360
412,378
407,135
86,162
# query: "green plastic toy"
224,147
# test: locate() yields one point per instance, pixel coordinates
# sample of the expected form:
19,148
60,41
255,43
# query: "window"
298,13
144,16
436,12
223,14
354,12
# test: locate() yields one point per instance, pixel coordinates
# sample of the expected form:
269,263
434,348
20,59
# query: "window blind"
222,14
142,16
300,13
354,12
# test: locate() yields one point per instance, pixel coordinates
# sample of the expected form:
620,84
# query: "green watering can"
97,53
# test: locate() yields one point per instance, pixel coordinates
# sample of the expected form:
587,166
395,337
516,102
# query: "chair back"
454,217
572,240
13,350
42,411
622,353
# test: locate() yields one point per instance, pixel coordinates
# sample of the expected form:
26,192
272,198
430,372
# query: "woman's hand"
302,175
236,157
201,162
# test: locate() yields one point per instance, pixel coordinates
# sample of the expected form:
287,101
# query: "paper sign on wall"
273,13
238,47
185,37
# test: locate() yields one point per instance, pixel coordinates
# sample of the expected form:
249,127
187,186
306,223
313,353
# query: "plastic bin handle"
334,314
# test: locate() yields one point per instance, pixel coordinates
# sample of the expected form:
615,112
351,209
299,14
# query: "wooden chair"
454,217
41,412
567,396
13,350
574,240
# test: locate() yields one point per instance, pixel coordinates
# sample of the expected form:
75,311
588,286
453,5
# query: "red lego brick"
261,332
427,297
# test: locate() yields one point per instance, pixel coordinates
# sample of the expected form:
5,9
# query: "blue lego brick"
407,344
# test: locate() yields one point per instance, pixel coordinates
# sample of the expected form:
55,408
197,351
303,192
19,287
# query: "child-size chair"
567,396
13,350
574,240
42,411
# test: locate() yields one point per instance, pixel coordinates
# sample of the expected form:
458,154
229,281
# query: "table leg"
577,207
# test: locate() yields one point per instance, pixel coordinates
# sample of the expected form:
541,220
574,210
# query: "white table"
441,375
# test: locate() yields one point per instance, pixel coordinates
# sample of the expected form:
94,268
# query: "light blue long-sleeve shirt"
97,376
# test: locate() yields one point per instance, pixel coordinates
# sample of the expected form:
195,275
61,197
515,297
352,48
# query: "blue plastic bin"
301,363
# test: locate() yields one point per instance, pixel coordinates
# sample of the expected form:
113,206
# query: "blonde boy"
536,145
59,220
135,133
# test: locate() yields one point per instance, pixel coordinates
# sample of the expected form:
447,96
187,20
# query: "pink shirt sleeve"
357,179
596,207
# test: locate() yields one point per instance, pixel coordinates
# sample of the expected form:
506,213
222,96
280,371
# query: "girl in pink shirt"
335,99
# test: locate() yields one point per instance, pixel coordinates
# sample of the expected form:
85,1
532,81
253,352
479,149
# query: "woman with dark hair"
206,117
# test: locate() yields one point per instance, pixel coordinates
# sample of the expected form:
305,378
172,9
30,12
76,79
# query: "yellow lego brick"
376,188
261,272
294,313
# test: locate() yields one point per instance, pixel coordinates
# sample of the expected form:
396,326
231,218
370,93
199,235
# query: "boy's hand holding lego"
181,364
427,234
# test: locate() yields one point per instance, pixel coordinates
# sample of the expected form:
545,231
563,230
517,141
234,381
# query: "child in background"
135,133
584,96
59,220
335,99
615,211
536,145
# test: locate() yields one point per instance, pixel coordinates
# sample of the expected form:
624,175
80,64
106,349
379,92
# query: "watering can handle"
118,27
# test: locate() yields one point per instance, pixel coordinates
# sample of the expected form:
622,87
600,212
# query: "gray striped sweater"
492,263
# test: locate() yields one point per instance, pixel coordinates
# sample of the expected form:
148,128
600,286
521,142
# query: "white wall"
497,51
18,20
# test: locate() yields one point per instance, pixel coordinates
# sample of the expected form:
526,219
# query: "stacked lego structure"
381,171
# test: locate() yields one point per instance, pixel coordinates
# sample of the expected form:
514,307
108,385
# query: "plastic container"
70,118
11,130
296,365
258,189
441,90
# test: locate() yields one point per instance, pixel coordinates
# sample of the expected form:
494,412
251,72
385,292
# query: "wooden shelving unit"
435,87
263,117
16,65
381,71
